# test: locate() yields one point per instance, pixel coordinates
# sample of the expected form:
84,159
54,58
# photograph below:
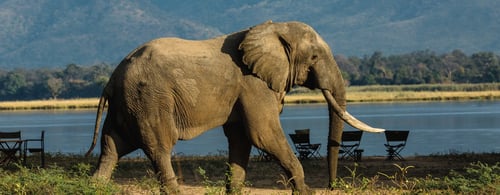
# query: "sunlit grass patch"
84,103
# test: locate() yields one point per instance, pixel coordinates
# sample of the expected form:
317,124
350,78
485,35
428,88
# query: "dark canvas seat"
10,147
396,141
349,146
303,146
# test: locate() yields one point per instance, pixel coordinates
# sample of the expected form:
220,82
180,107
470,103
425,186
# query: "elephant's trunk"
337,115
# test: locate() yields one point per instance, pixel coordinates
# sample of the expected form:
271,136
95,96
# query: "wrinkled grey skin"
172,89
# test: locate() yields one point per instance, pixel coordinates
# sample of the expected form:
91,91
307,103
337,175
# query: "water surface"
435,127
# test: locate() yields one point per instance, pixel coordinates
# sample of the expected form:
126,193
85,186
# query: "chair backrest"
352,136
300,139
396,135
10,135
302,131
42,139
42,136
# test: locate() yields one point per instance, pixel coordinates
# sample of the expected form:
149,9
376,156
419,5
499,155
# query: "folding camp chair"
264,156
10,147
349,147
30,147
396,141
303,146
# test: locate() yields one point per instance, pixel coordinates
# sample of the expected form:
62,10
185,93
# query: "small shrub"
211,187
355,182
478,177
400,180
286,182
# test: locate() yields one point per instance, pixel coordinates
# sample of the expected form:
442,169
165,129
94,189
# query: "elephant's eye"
314,57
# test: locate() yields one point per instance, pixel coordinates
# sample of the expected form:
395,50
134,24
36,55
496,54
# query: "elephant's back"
184,66
186,78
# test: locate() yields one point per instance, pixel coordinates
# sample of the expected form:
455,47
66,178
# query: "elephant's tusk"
348,118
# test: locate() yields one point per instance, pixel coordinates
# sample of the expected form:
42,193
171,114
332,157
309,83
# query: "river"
435,127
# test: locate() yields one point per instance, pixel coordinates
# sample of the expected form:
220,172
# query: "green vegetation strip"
454,173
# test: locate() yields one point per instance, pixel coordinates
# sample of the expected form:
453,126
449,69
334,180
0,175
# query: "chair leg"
42,158
357,154
390,154
393,154
397,155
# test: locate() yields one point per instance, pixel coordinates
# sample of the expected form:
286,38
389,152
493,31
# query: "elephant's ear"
266,53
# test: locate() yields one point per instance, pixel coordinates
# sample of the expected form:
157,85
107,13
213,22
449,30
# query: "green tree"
12,84
55,86
488,65
452,63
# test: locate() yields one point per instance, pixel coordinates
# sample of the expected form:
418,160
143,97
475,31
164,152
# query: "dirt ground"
266,177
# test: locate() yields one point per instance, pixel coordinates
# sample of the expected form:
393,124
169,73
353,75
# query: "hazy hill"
59,32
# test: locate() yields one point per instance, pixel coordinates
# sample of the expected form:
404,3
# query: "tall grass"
84,103
428,88
391,93
373,93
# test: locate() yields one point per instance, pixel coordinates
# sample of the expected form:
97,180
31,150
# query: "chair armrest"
29,140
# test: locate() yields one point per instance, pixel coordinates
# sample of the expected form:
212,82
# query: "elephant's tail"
100,108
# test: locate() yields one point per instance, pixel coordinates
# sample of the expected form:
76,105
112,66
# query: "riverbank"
400,93
457,173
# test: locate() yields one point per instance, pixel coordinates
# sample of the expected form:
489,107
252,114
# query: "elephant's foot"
170,186
235,187
104,171
303,190
300,187
235,179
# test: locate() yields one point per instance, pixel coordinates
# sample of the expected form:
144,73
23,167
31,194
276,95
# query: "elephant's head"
292,53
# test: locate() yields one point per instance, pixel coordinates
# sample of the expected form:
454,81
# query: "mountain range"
54,33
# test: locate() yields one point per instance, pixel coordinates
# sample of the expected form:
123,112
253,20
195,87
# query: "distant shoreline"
299,98
399,96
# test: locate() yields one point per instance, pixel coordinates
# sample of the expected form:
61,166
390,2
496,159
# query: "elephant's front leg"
261,109
239,153
273,141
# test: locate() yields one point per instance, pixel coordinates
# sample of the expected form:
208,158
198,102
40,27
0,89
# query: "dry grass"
395,96
378,96
354,94
84,103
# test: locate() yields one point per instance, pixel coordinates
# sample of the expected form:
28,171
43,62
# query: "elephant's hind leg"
112,148
159,137
161,160
239,153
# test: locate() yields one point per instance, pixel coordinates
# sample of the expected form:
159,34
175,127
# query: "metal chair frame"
10,147
30,148
303,146
349,146
396,142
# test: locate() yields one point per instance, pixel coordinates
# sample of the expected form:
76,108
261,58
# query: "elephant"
171,89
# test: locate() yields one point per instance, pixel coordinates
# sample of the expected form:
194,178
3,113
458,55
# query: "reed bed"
387,96
84,103
377,93
397,96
